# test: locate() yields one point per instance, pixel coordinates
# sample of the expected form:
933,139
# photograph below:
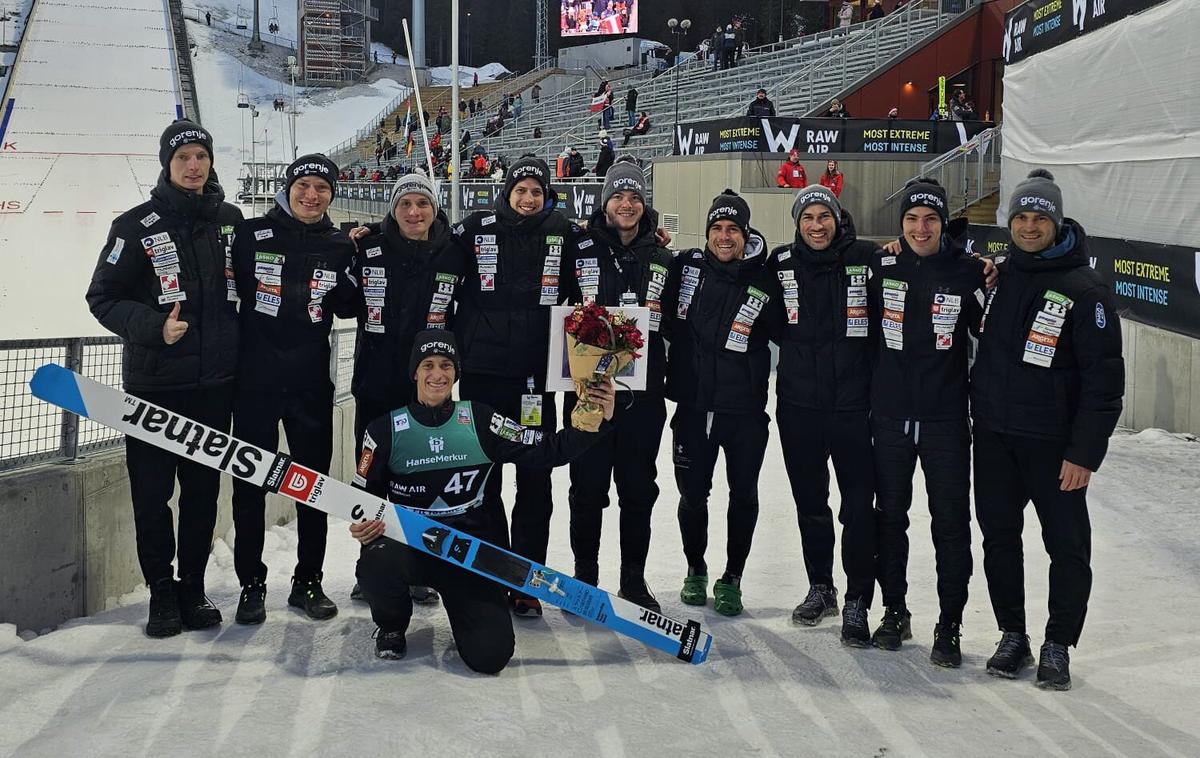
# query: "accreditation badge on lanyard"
531,406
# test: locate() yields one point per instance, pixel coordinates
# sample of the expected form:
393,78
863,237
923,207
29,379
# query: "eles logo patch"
298,483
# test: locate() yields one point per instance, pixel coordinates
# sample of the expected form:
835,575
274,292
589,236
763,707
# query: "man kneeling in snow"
434,456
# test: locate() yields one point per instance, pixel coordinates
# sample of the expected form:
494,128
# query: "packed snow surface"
98,686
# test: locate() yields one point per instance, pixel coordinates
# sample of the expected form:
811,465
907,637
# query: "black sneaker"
821,602
423,595
165,620
633,588
1054,668
854,624
196,610
390,645
252,608
309,597
1012,655
895,628
947,649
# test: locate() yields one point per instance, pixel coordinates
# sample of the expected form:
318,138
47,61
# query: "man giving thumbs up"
164,284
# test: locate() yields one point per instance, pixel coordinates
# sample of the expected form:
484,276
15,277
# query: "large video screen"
581,18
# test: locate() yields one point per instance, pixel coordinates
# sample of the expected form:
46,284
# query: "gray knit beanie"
1038,194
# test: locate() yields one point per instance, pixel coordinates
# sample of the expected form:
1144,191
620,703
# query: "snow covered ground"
295,687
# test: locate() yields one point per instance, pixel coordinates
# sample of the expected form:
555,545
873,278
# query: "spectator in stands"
208,18
537,132
471,107
728,47
518,106
479,165
575,163
475,79
739,40
399,124
606,115
536,93
499,168
462,108
607,155
641,127
393,57
761,106
631,105
876,11
791,172
845,16
961,109
893,114
362,172
837,110
831,178
714,47
378,138
378,155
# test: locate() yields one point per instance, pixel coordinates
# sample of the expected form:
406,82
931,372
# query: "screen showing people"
586,17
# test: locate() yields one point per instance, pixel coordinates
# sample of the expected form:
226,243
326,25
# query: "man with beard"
621,263
1045,396
720,307
292,275
511,263
823,384
164,284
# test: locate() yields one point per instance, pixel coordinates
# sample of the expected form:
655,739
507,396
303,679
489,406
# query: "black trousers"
809,438
697,437
477,607
944,448
1009,472
628,456
152,474
534,501
307,418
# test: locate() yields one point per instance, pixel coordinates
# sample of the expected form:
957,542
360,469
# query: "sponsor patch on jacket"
400,422
155,239
1101,320
172,297
114,255
263,234
374,252
151,220
276,258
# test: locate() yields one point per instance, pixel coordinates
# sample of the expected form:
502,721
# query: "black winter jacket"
1049,363
827,342
759,108
402,292
604,270
174,248
925,309
511,267
719,319
292,278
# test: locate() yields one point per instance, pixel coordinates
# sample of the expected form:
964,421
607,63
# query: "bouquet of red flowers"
599,344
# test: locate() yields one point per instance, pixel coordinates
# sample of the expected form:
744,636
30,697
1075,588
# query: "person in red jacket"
791,172
832,178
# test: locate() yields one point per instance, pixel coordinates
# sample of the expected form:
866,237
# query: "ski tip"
56,385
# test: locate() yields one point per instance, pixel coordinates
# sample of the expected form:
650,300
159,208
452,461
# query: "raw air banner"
1153,284
1039,25
277,472
820,136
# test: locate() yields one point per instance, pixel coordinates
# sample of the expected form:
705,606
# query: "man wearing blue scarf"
1046,393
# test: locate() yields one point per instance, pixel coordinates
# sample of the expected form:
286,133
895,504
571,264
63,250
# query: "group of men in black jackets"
873,371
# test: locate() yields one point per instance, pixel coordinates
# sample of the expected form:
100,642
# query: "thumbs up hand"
173,328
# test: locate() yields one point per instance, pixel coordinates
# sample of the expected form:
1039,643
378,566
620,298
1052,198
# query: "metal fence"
32,431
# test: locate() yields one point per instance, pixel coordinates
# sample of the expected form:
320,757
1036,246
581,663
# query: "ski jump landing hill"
90,93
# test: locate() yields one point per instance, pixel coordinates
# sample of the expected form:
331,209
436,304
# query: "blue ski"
277,472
